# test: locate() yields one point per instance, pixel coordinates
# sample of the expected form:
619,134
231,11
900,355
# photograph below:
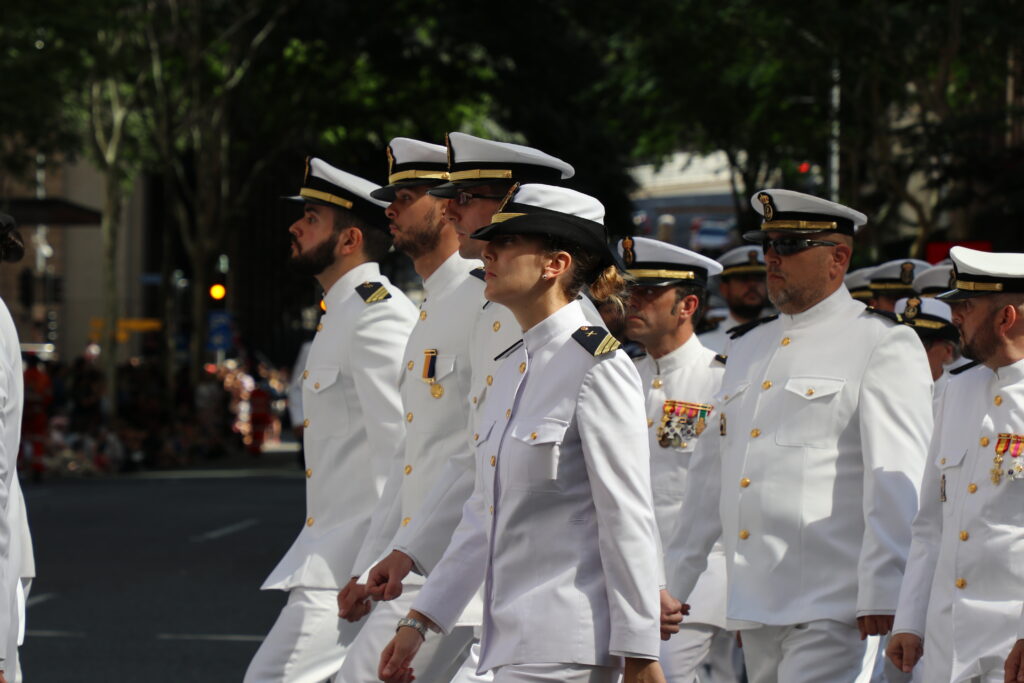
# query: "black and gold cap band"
666,273
319,190
969,285
746,269
463,176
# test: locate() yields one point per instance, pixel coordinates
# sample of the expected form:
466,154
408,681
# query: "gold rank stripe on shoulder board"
596,340
372,292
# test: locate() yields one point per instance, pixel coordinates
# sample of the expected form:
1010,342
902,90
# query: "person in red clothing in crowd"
36,417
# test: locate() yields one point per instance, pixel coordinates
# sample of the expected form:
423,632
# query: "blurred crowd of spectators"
69,429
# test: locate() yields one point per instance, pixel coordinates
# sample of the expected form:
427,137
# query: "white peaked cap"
469,150
786,210
981,272
652,261
560,199
934,280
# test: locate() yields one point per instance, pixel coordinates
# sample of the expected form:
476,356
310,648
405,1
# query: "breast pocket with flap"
324,403
808,417
533,453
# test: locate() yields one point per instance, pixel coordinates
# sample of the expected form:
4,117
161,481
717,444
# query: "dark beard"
316,260
979,349
424,241
746,311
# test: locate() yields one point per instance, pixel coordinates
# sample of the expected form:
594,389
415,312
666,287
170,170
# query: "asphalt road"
153,579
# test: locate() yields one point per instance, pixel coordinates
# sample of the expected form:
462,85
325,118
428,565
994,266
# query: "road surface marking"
37,599
54,634
224,530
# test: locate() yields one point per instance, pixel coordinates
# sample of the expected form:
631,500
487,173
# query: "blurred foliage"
227,97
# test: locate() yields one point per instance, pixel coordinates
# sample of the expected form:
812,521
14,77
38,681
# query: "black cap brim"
450,190
299,199
959,295
387,193
581,232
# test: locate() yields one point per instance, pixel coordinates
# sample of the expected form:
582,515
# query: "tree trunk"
109,226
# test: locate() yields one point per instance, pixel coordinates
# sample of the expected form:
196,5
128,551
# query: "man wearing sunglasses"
814,460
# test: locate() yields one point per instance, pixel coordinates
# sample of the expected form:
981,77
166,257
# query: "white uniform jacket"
964,587
815,461
680,386
426,536
718,340
434,386
11,546
560,527
354,425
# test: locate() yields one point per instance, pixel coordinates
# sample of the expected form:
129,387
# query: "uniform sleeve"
295,386
384,521
8,572
612,425
378,345
915,591
895,428
460,572
430,530
699,523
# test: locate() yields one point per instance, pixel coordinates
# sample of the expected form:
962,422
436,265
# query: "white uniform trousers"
813,652
467,671
307,643
438,658
23,588
684,655
877,667
725,659
562,673
701,653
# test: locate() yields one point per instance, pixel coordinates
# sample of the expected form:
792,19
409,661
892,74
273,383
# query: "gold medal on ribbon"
429,372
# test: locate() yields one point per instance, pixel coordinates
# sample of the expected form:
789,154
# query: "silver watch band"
420,627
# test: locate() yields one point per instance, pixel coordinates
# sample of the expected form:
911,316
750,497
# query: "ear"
350,240
1006,318
687,307
842,255
556,264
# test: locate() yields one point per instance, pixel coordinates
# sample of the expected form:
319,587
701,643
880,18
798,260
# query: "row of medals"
1003,444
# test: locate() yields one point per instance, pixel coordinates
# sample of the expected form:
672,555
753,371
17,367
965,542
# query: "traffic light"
218,291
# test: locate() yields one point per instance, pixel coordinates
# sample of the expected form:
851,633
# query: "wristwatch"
420,627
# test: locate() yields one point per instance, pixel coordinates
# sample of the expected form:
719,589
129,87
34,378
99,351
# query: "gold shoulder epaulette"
372,292
596,340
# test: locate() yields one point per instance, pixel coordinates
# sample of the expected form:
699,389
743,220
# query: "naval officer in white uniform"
932,319
963,594
679,377
894,280
560,528
813,460
434,384
353,418
16,559
480,174
741,284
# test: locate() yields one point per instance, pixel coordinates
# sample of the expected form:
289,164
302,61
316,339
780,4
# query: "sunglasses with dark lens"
787,246
463,198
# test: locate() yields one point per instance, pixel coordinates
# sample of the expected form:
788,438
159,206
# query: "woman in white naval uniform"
560,528
13,528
